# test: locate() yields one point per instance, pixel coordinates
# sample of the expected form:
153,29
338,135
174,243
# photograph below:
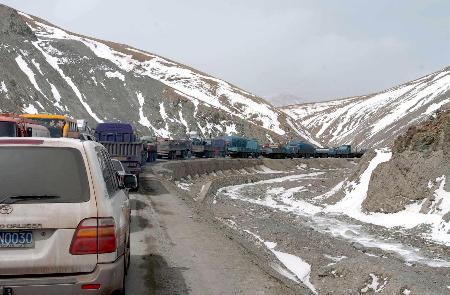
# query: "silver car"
64,218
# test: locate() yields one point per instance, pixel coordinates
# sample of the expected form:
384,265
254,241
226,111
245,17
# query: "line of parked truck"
123,143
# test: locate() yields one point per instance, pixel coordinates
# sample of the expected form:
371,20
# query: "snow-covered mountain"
44,68
374,120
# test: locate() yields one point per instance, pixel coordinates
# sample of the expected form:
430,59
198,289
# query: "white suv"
64,218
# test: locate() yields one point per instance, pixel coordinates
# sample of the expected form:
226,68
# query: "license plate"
16,239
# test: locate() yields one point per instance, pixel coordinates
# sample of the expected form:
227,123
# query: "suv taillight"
94,236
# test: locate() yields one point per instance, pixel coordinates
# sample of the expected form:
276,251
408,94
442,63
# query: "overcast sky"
314,50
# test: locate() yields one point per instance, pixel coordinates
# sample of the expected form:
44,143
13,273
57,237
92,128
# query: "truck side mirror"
130,181
29,132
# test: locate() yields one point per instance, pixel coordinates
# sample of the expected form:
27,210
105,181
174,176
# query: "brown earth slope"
420,157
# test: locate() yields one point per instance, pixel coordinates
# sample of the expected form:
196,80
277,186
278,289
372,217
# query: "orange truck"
15,126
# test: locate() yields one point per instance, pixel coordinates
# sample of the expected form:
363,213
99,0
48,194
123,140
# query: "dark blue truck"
122,143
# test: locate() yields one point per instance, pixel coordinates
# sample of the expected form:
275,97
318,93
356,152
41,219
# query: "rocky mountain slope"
374,120
47,69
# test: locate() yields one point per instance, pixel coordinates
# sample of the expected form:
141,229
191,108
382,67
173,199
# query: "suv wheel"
123,291
127,256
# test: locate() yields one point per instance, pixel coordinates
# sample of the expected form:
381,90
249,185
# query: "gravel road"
174,251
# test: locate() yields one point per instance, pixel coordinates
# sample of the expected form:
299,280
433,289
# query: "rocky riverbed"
297,220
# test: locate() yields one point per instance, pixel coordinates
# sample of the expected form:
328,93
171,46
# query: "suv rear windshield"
43,171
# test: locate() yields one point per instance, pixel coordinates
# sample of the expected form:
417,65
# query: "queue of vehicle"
64,205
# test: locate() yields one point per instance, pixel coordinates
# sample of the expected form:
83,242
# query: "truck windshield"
55,126
43,171
7,129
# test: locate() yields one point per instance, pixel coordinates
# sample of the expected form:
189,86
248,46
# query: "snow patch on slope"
37,66
28,72
56,96
183,121
30,109
143,120
115,74
3,88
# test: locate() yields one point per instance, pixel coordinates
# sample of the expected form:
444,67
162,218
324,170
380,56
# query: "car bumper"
109,276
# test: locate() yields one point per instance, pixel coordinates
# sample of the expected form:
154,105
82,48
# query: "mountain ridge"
374,120
48,69
60,71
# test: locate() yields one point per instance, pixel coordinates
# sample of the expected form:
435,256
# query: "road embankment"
182,169
176,170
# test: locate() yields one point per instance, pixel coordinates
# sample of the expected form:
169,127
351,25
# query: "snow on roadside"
296,268
295,264
351,205
265,169
374,285
334,259
184,186
278,198
331,192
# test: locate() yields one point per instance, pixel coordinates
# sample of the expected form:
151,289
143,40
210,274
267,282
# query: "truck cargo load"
174,148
